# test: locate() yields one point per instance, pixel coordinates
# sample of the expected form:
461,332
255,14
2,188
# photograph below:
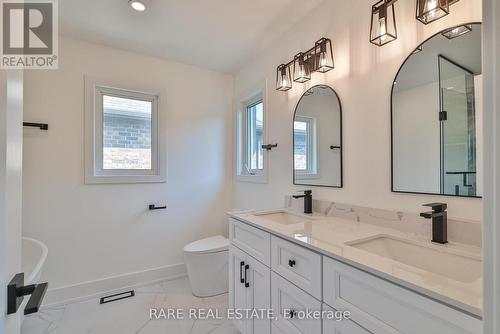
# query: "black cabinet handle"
291,263
292,314
246,276
242,264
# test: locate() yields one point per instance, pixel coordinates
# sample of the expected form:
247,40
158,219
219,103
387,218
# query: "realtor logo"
29,34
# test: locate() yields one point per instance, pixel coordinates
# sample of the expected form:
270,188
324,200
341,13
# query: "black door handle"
292,313
36,298
246,276
16,290
292,263
242,264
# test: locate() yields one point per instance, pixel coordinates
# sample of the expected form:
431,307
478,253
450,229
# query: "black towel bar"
41,126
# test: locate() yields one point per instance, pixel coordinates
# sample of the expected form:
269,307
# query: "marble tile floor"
131,315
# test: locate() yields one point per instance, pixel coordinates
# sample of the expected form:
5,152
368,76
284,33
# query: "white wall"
98,231
417,139
363,79
491,137
11,146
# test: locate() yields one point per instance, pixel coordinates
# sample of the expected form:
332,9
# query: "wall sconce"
383,24
301,68
431,10
319,58
457,31
383,27
323,55
283,78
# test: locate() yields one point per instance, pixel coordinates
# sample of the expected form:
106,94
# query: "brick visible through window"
126,133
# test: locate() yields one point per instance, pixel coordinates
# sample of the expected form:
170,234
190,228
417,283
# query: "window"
251,136
255,137
304,129
122,136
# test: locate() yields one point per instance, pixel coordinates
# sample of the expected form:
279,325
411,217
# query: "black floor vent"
118,296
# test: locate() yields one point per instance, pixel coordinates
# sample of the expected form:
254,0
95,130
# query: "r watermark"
239,314
29,34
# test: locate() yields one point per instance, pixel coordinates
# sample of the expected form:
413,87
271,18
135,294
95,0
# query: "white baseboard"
115,284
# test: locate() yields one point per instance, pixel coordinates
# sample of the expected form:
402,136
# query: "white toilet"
207,266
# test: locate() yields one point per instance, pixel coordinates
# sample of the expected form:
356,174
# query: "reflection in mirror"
436,117
317,138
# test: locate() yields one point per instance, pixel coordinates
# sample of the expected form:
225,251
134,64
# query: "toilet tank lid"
208,245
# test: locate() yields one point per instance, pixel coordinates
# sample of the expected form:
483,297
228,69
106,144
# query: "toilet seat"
209,245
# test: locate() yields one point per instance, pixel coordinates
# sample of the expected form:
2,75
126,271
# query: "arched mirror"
436,116
317,138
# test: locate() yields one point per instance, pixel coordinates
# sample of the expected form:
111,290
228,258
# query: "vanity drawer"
286,296
297,264
341,327
251,240
383,307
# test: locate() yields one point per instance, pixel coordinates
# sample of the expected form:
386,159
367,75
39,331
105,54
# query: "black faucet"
308,201
439,218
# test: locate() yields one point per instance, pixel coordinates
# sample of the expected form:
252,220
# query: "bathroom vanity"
389,281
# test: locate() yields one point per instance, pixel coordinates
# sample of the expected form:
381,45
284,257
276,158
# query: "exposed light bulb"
431,7
382,29
302,71
284,80
323,62
138,5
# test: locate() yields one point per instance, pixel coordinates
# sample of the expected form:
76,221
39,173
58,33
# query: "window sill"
262,178
126,179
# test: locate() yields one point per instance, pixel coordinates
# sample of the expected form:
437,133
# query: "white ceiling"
215,34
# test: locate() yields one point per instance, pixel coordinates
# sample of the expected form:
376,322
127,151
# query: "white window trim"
94,173
312,158
242,174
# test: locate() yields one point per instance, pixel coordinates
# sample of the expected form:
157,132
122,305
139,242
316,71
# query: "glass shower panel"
458,130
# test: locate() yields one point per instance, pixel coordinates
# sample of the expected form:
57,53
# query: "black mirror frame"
392,120
341,142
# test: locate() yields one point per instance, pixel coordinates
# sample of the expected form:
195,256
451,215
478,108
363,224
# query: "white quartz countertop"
330,236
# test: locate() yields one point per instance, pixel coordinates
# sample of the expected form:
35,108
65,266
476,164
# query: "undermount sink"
458,267
283,217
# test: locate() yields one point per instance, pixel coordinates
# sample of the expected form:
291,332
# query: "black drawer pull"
246,276
292,313
292,263
242,264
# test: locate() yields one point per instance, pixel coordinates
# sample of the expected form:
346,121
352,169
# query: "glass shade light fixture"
301,68
283,78
319,58
457,31
431,10
323,55
383,25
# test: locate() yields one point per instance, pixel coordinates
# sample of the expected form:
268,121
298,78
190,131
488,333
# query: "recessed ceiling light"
137,5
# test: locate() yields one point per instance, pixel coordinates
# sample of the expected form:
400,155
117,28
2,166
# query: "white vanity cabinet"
267,271
331,326
249,288
386,308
